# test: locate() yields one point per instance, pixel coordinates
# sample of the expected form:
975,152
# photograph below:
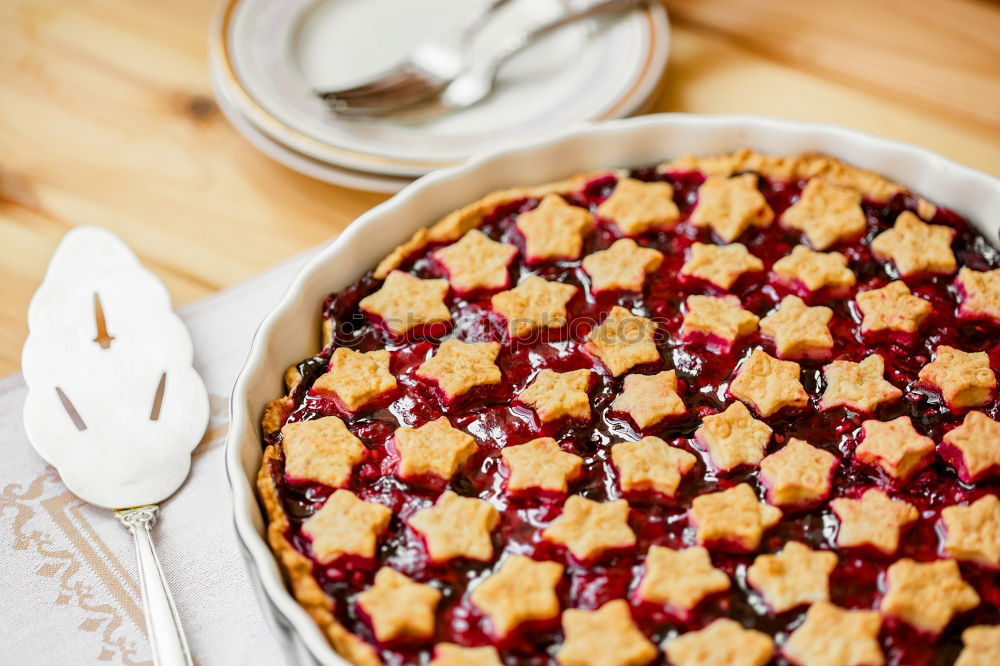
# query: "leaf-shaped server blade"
102,332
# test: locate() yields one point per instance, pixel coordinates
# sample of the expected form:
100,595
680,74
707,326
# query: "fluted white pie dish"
291,331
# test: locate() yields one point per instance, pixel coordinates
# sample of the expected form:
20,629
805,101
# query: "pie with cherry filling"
729,410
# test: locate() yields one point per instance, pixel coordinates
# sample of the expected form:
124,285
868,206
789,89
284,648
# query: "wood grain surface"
106,117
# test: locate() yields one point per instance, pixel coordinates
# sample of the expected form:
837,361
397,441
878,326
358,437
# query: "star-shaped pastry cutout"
406,302
346,525
891,308
797,575
623,341
521,590
651,465
554,230
720,320
356,379
857,386
730,206
834,636
535,303
815,270
768,385
916,247
895,447
926,595
722,643
972,533
557,395
477,263
603,637
874,521
398,608
733,519
980,291
648,399
799,331
982,646
973,448
965,379
622,266
322,450
435,449
680,579
826,214
588,529
799,474
733,438
457,367
721,266
456,526
449,654
540,465
636,207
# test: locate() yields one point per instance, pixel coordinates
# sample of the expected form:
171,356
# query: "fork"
433,70
432,65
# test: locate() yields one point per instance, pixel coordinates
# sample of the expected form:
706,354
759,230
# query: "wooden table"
106,118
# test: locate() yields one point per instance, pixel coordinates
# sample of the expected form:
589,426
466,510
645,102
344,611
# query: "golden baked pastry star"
434,449
768,385
355,378
722,643
916,247
405,302
826,214
721,266
521,590
798,474
797,575
874,520
965,379
398,608
556,395
346,525
540,465
636,207
733,438
648,399
623,341
834,636
730,206
815,270
457,367
857,386
891,308
973,448
603,637
926,595
980,291
732,519
651,465
680,579
895,447
719,318
321,450
972,533
534,304
554,230
799,331
622,266
456,526
587,528
477,263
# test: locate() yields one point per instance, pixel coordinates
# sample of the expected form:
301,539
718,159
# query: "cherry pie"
734,411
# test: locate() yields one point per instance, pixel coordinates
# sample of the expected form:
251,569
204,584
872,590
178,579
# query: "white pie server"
113,402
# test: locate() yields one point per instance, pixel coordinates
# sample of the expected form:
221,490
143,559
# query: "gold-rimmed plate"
270,55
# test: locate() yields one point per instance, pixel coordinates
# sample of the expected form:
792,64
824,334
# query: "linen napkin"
68,587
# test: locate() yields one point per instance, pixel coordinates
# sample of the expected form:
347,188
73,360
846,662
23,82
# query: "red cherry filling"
705,369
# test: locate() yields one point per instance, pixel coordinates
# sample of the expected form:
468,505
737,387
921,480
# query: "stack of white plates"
269,56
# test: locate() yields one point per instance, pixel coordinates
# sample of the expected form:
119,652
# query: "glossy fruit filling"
705,373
